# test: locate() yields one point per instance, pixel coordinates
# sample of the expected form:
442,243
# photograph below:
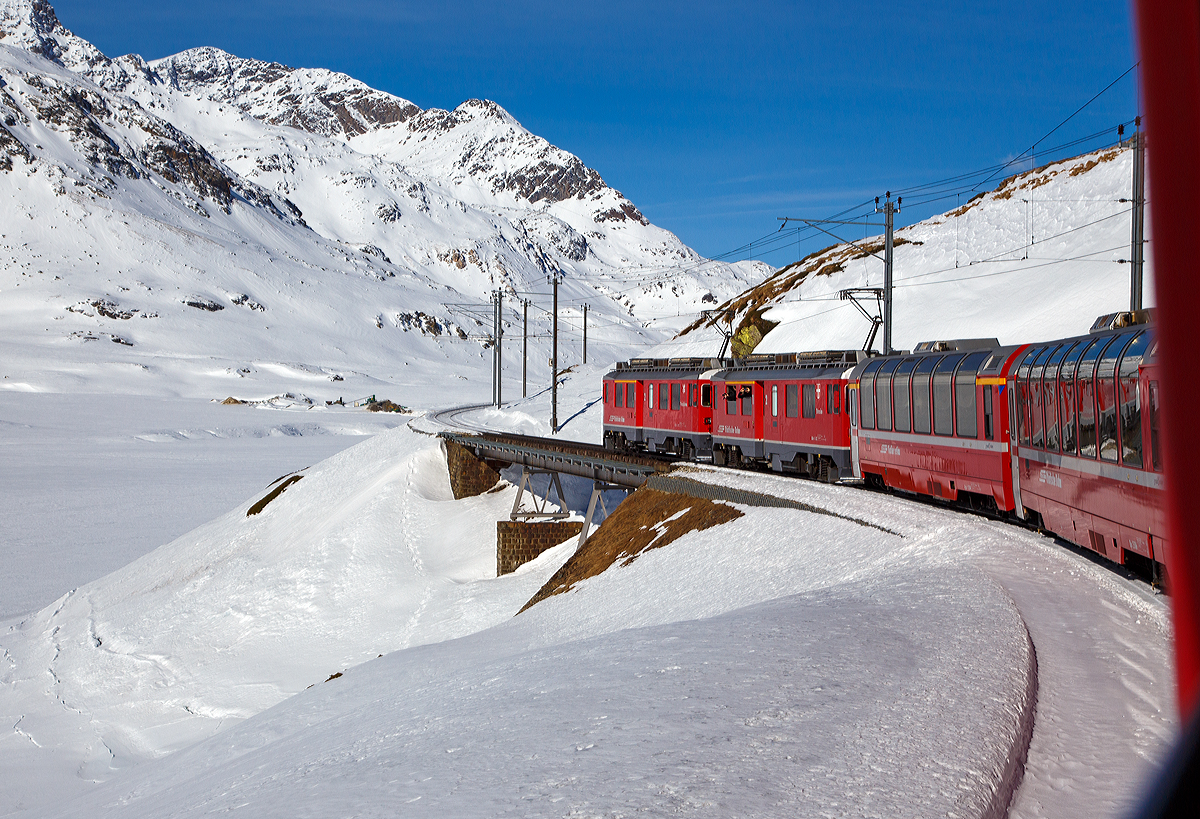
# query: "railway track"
454,417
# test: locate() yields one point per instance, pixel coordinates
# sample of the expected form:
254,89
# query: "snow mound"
838,698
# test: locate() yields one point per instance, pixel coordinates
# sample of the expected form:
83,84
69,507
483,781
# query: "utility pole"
493,348
554,363
585,334
888,210
1139,216
497,335
525,349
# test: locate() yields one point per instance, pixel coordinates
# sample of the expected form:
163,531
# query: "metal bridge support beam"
539,504
598,490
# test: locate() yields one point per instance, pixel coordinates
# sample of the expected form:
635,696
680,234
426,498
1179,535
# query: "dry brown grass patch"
272,495
638,525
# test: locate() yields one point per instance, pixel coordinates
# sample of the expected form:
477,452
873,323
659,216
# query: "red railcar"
660,405
1086,407
1052,433
935,422
786,411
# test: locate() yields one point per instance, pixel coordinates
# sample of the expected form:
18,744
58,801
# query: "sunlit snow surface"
786,663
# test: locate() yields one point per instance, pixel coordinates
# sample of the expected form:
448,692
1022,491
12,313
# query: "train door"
760,418
775,399
1013,458
640,413
852,408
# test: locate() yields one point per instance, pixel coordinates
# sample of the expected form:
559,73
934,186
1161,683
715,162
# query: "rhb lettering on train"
725,430
1048,477
889,449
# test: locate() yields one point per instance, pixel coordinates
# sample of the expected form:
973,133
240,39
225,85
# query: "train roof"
761,362
1012,355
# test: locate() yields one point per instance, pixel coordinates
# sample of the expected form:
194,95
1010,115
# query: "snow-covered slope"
309,221
880,666
1039,257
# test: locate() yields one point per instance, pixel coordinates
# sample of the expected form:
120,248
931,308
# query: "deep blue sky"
715,118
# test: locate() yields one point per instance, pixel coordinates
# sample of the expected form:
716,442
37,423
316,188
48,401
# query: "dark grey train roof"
1124,329
999,355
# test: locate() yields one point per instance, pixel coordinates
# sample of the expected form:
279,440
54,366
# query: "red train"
1064,434
784,411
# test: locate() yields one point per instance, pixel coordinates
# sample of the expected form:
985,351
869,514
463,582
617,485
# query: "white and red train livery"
1062,433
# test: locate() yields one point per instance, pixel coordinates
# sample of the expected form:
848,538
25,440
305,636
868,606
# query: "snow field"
99,480
367,555
824,703
245,612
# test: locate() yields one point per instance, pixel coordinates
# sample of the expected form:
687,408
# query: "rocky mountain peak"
315,100
32,25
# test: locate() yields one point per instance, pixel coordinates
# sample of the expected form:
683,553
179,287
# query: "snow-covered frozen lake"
93,481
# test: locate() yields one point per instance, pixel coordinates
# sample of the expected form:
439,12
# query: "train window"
1130,401
746,393
902,395
1049,387
1085,392
837,398
866,395
774,400
883,394
1155,408
964,396
664,396
706,395
1106,398
810,400
618,394
631,394
1037,413
693,394
675,396
1068,422
605,392
791,401
650,395
829,400
943,391
920,394
1068,418
1022,396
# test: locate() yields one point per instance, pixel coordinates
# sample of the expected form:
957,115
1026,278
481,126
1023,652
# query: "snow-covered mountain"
219,217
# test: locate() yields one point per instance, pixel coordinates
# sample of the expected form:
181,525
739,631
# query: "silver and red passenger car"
1063,433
